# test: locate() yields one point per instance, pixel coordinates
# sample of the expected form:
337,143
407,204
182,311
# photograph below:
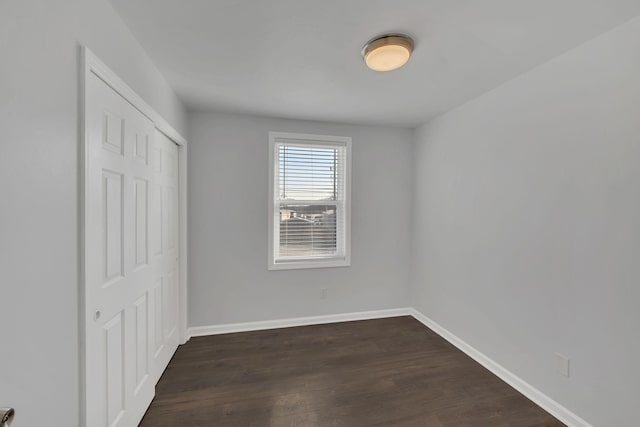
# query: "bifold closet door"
131,235
164,250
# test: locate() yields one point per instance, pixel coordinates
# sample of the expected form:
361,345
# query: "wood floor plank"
383,372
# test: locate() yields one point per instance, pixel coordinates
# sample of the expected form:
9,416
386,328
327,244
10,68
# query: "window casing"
309,201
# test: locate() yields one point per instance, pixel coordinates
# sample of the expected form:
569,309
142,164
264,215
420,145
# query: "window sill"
298,265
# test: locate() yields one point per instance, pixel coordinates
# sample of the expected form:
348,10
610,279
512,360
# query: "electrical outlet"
323,293
562,364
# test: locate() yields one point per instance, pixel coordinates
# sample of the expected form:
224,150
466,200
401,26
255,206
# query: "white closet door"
164,251
119,270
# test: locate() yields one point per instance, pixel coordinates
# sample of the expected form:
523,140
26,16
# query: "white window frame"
278,137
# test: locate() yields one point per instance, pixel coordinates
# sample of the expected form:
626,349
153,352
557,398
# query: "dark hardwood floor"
386,372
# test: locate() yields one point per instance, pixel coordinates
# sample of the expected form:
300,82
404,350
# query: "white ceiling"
301,58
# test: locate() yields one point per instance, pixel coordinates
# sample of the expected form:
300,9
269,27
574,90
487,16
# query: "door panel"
119,268
141,221
113,132
112,225
158,324
156,227
142,344
114,339
164,219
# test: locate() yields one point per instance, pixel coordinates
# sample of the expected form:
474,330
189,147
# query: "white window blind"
309,221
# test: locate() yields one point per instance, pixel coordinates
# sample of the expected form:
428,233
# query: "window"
309,202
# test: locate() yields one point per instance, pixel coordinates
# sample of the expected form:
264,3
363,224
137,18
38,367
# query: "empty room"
415,213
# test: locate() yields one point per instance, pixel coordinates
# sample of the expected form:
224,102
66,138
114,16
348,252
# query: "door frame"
91,64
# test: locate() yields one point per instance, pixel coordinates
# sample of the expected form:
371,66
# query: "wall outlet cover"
562,364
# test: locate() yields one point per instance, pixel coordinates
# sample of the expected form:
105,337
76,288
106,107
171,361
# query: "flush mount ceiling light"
387,52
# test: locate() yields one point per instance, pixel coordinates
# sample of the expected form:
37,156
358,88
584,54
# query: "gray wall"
228,193
39,119
527,225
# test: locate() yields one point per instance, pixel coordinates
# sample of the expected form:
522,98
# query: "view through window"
309,200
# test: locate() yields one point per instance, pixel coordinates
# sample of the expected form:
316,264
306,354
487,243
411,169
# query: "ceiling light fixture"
387,52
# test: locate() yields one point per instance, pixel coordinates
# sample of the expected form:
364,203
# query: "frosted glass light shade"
387,53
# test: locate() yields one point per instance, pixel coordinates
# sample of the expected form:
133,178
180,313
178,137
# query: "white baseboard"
228,328
541,399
